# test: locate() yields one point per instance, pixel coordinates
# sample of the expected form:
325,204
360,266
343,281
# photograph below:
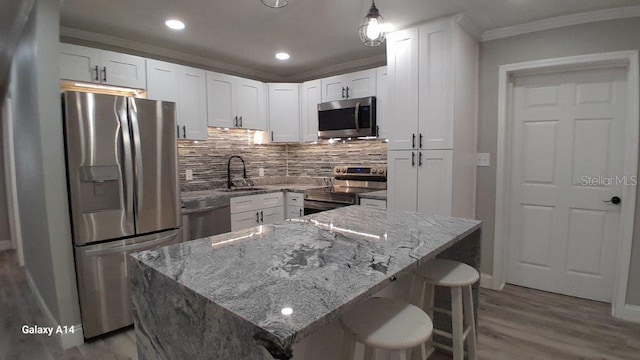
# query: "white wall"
40,166
606,36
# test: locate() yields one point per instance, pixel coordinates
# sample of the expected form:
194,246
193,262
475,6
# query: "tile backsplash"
208,159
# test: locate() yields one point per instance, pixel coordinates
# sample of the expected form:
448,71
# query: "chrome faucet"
244,171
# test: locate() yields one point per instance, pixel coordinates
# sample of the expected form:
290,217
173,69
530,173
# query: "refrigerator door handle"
128,157
137,153
132,247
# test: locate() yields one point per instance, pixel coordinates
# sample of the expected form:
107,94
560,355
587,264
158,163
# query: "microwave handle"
357,116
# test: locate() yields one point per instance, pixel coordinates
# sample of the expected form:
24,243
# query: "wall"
208,159
41,180
597,37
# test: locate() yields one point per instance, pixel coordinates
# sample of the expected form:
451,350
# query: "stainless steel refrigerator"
121,155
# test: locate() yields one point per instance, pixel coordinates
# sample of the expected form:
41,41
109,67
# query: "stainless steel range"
348,183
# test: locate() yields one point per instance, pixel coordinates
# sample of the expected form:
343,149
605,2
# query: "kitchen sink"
241,188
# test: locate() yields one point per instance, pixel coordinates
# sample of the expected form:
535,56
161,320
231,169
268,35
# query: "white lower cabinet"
422,181
254,210
294,205
373,203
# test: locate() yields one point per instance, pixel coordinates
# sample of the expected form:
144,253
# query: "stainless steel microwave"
347,118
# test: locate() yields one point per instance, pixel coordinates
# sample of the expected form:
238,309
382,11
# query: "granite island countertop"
377,195
286,280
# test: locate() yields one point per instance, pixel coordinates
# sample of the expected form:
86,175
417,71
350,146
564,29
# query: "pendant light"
276,4
372,29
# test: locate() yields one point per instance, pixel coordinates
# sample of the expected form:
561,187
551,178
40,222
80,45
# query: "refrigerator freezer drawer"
103,281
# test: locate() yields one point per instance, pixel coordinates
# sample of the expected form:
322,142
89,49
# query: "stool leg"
348,346
471,321
457,324
369,353
402,355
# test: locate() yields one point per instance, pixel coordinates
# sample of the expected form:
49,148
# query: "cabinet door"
270,200
374,203
295,199
294,212
311,97
272,215
251,104
381,101
240,204
402,180
192,103
221,105
361,84
245,220
162,80
79,63
402,80
435,181
334,88
436,86
284,114
123,70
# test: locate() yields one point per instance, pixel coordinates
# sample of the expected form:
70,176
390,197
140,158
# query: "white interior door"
567,150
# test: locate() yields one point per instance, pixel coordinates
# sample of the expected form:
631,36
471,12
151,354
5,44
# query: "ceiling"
318,34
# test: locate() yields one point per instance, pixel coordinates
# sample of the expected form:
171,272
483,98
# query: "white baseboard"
5,245
66,340
487,282
629,313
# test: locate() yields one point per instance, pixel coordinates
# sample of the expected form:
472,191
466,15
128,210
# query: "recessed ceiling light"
175,24
282,56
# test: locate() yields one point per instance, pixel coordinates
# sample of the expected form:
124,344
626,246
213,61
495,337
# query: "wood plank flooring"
514,324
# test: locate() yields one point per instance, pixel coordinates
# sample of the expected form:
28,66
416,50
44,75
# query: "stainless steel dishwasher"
205,217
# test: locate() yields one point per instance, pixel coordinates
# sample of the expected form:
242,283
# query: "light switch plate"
483,159
189,174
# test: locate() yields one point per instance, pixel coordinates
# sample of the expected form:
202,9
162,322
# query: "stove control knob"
374,171
344,170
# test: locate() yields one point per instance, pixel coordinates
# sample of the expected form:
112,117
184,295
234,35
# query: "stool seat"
448,273
388,324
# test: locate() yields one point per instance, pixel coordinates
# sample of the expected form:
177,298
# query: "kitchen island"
255,293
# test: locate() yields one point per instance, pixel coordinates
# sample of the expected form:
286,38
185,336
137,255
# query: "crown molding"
82,37
562,21
355,65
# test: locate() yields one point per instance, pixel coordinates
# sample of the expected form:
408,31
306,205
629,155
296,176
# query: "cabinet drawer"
270,200
294,212
374,203
245,203
295,199
245,220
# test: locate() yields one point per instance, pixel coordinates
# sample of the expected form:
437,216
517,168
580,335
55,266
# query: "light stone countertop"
377,195
316,267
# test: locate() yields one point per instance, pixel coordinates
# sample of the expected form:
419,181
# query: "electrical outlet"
261,171
483,159
189,174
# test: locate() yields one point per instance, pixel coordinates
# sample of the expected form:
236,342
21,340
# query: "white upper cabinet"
187,88
382,99
349,86
234,102
284,112
80,63
311,96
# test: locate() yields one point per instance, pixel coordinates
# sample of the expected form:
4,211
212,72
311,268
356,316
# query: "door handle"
97,73
261,216
104,74
614,200
413,159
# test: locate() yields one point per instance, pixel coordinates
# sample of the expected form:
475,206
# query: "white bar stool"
458,277
388,324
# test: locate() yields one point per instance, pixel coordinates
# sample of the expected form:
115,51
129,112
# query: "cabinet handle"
377,130
235,121
178,131
413,159
184,131
261,216
104,74
413,141
271,135
300,211
240,121
258,217
347,92
420,141
97,75
343,92
420,158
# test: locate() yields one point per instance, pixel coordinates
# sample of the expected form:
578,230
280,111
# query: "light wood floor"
514,324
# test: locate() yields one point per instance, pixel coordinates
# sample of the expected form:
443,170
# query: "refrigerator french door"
121,157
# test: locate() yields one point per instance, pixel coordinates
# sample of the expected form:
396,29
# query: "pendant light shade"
372,29
276,4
